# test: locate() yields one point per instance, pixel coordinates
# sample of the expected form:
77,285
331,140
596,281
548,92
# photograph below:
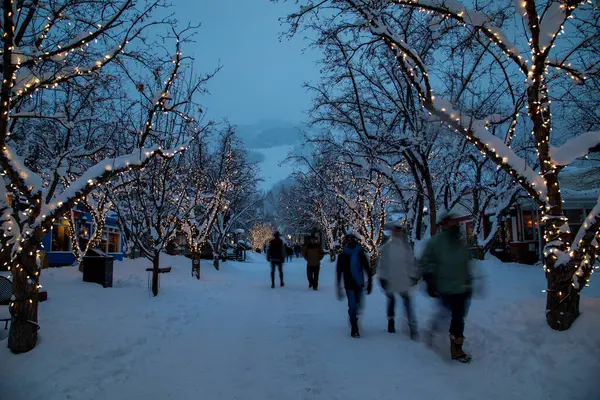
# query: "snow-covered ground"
230,336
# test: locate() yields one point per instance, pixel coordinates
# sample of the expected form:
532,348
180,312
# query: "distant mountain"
269,143
255,157
269,133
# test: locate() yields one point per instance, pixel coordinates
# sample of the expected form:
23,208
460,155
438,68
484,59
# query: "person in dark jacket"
446,269
297,250
289,251
313,254
352,266
276,255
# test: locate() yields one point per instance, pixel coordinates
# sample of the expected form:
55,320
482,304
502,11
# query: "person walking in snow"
297,250
276,256
397,275
289,250
313,254
446,269
352,266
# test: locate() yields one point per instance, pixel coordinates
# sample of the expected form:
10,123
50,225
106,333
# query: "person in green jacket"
446,269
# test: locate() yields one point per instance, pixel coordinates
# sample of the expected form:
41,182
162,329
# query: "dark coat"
313,254
344,271
276,251
446,260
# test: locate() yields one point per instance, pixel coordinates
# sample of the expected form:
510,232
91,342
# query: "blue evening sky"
262,76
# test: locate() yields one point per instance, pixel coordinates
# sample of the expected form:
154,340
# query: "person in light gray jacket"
397,274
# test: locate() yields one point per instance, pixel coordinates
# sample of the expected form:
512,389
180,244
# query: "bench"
165,270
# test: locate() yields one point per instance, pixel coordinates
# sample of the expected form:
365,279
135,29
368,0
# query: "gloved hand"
369,286
431,290
384,284
340,294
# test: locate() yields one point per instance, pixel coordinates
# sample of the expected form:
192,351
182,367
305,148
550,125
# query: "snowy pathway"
230,336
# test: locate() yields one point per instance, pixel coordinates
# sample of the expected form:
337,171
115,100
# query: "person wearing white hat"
397,275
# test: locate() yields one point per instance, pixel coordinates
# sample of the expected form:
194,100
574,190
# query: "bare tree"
208,197
241,199
152,207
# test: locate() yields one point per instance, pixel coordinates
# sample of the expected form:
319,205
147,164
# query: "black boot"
391,327
281,284
354,328
272,277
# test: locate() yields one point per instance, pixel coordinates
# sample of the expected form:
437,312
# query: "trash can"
98,268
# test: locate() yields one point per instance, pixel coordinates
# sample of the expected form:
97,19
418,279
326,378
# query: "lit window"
61,241
112,239
530,226
83,235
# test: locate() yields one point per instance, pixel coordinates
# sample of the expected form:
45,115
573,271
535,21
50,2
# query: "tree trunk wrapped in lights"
98,210
195,256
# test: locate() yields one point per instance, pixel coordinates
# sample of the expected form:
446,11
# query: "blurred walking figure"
297,250
313,254
397,275
352,266
289,250
276,255
447,271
